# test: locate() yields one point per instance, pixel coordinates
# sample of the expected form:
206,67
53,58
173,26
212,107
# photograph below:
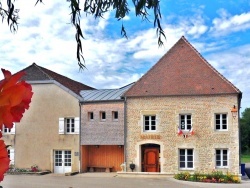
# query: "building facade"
102,129
179,116
48,134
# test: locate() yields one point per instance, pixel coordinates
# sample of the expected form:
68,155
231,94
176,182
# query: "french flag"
191,131
179,131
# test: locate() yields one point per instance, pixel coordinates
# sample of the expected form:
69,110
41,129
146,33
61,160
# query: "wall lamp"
234,111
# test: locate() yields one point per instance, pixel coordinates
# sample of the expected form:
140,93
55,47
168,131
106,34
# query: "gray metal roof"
104,94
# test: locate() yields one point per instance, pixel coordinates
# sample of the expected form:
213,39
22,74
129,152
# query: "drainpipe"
125,132
239,132
80,132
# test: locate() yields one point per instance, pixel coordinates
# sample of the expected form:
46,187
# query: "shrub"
214,177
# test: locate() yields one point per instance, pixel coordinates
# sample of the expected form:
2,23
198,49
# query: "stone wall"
204,142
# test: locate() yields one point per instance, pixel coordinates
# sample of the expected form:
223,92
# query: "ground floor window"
221,158
186,159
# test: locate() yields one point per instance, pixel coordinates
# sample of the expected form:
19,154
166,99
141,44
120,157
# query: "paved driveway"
104,180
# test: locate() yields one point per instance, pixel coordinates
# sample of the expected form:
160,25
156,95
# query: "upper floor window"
149,123
221,158
185,121
69,125
6,130
91,116
115,115
102,116
221,121
186,159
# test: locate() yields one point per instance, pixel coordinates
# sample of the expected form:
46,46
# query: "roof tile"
182,71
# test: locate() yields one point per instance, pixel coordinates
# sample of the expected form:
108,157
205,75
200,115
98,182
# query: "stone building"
178,116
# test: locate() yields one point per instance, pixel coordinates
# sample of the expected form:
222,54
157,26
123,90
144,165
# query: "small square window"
115,115
91,116
103,116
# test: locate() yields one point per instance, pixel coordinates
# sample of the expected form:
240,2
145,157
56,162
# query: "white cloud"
230,23
46,37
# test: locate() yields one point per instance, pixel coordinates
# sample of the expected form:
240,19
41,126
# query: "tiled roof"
182,71
38,73
104,94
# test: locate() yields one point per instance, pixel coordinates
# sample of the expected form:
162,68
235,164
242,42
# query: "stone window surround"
229,120
228,152
193,154
149,113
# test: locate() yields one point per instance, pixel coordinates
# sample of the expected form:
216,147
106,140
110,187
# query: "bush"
214,177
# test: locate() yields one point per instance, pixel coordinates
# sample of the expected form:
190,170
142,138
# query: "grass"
245,158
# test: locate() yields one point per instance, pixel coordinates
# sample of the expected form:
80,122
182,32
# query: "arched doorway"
150,161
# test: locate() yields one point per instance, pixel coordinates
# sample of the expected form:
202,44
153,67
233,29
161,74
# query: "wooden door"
151,160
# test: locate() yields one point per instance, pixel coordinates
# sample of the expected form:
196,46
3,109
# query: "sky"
218,29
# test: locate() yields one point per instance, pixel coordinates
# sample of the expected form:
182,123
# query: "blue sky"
218,29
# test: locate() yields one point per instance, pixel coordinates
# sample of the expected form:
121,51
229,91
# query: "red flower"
4,160
15,97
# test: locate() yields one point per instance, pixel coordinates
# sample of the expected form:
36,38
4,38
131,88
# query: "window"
103,116
9,131
70,125
115,115
221,158
11,153
149,123
186,159
91,116
221,121
6,130
185,122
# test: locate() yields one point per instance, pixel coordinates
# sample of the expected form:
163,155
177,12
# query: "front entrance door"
151,160
62,161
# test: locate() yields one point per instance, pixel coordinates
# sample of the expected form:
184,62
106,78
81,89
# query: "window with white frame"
149,123
69,125
221,121
185,121
102,116
115,115
91,116
11,153
9,131
221,158
186,159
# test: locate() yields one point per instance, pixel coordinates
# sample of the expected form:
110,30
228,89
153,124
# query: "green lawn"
245,158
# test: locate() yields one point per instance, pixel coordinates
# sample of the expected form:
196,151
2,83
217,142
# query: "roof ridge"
40,68
209,65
